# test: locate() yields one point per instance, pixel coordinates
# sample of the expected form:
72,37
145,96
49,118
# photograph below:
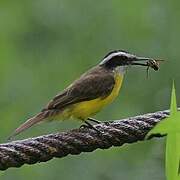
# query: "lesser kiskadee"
87,95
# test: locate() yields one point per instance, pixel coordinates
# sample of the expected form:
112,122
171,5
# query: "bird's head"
121,59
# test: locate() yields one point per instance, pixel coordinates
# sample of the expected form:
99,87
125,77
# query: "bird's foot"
83,126
88,125
107,123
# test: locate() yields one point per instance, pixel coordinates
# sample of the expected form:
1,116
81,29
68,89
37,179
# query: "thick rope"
44,148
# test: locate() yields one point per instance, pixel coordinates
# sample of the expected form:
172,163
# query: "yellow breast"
85,109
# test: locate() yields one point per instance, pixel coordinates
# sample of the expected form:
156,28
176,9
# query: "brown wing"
96,83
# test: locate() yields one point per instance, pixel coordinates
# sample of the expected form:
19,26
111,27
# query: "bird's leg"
92,127
93,120
88,125
98,122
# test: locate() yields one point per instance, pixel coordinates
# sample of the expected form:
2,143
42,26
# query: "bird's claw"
83,126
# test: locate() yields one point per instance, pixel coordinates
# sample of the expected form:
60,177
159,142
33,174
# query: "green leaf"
170,124
173,108
171,127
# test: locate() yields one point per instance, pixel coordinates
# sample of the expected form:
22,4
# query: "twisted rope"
44,148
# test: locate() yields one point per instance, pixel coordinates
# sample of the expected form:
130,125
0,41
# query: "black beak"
138,61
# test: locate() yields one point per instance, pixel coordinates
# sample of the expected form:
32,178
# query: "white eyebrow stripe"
113,55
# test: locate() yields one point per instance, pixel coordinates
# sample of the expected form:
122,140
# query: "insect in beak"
150,63
154,64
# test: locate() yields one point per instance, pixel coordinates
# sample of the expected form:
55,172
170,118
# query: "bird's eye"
124,58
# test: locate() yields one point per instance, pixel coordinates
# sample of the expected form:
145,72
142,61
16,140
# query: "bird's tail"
30,122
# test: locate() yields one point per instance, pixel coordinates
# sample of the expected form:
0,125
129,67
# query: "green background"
46,44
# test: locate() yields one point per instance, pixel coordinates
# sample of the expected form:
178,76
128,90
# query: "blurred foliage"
46,44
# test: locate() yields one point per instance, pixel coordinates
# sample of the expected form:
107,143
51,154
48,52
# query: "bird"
90,93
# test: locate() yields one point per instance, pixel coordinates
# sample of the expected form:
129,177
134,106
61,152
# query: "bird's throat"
121,70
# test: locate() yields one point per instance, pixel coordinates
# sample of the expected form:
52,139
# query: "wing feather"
94,84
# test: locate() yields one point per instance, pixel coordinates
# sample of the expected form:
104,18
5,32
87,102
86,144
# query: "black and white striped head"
121,58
